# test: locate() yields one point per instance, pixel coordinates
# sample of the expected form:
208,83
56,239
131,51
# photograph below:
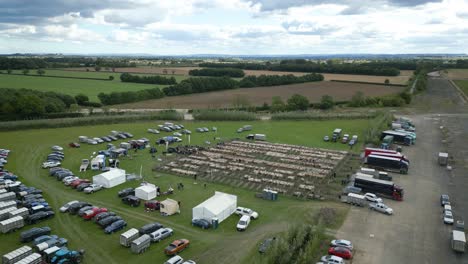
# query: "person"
204,185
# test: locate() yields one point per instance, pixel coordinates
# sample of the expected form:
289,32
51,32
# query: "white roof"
112,173
218,202
459,235
442,154
147,188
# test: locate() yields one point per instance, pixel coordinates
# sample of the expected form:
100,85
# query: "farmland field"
259,95
463,84
457,74
224,245
183,71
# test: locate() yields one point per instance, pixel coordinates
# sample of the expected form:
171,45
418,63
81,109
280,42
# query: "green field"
74,86
463,84
224,245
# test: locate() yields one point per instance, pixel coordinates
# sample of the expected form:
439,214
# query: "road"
416,232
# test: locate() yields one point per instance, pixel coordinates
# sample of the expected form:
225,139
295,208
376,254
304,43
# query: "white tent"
146,192
221,206
169,207
110,178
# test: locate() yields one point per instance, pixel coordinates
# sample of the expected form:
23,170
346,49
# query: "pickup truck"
381,208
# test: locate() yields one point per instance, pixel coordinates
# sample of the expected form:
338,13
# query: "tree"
30,105
277,104
326,102
81,99
387,81
40,72
97,68
25,71
298,102
111,78
358,99
9,71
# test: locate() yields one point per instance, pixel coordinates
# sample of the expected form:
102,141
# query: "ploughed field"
259,95
30,148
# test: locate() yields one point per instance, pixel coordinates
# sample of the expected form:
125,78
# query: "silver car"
161,234
93,188
66,206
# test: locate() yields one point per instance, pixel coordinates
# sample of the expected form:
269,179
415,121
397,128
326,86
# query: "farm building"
169,207
146,191
111,178
220,205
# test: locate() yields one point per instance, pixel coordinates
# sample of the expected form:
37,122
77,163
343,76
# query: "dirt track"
259,95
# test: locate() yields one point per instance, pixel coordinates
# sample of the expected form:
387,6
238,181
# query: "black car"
204,224
74,208
108,221
34,232
32,196
127,134
82,186
150,228
126,192
112,137
117,225
102,216
131,200
37,217
30,203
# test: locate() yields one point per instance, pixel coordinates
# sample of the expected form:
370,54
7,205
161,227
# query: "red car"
75,183
340,252
74,145
93,212
152,205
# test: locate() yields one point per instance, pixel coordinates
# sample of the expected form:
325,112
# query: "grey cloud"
307,28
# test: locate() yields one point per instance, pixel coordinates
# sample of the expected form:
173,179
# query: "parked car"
88,215
342,243
331,259
177,134
93,188
246,211
34,233
43,238
50,164
444,199
126,192
243,223
131,200
326,138
149,228
39,216
341,252
57,148
102,215
75,183
113,138
82,186
67,206
83,210
74,208
69,179
116,226
152,205
266,244
380,207
74,145
175,260
105,222
204,224
176,246
448,217
373,198
345,138
161,234
189,262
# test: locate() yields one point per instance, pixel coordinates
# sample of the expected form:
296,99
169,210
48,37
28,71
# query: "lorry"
4,213
381,175
398,137
9,196
127,237
354,199
387,142
385,152
16,255
443,159
382,187
458,241
260,137
34,258
64,255
387,163
11,224
336,134
98,162
140,244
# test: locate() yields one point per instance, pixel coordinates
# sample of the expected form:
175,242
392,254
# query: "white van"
175,260
243,223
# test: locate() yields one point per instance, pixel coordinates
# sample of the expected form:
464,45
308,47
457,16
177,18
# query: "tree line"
218,72
19,63
272,80
130,96
32,103
201,85
154,79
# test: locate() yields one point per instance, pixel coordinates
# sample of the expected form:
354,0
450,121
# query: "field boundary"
56,76
375,83
460,91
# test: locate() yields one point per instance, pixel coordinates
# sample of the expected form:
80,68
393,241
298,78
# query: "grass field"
259,95
224,245
463,85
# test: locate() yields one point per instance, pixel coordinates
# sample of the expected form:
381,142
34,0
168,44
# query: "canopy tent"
146,192
220,205
111,178
169,207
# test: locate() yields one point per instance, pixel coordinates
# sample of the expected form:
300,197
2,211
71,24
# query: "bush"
219,115
298,102
81,99
326,102
381,122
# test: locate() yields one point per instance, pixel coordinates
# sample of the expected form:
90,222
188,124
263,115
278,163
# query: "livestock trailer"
16,255
11,224
4,213
127,237
9,196
4,205
140,244
34,258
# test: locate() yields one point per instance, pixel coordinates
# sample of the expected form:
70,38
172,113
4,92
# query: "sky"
237,27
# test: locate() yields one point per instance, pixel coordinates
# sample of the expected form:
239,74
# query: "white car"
93,188
373,198
177,139
51,164
69,179
330,259
380,207
448,217
189,262
154,131
92,142
57,148
98,140
161,234
177,134
175,260
342,243
246,211
66,206
243,223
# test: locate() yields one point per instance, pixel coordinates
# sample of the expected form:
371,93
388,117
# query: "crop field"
457,74
463,84
223,245
259,95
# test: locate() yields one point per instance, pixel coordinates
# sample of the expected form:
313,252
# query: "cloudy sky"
234,26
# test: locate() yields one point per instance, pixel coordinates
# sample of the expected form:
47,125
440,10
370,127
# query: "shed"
146,191
169,207
111,178
220,205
